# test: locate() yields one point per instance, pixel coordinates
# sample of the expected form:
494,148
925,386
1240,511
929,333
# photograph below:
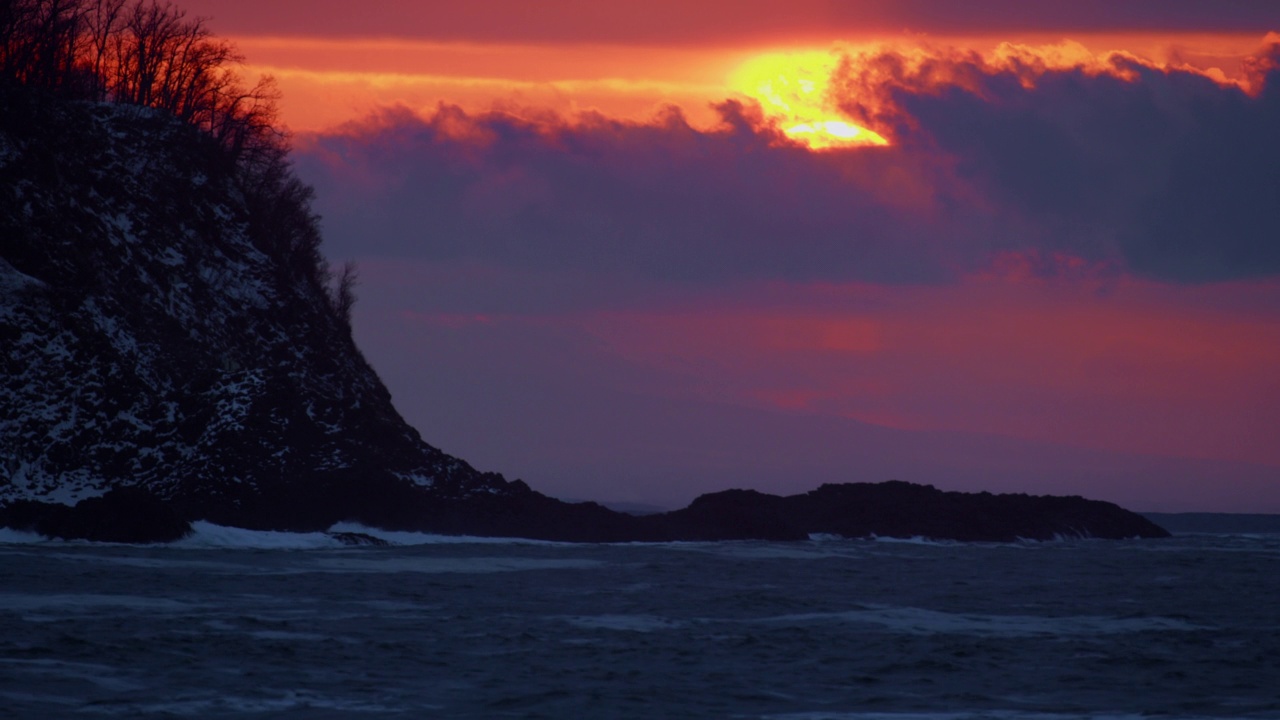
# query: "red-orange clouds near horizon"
602,255
627,59
1140,368
328,81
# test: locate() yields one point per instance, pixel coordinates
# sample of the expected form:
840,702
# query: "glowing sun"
793,90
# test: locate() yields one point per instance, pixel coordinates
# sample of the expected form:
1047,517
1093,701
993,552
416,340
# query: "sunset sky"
636,251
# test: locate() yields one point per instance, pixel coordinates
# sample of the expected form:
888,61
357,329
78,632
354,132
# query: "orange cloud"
326,82
330,80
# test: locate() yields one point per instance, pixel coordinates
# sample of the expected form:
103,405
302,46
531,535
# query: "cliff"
159,332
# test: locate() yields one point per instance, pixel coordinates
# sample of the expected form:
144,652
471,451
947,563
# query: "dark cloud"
661,200
1175,174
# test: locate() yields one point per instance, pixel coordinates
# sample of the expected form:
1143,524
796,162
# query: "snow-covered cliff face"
150,336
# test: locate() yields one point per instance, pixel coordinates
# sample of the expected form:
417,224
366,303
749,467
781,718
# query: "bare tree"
149,53
343,295
142,52
103,23
40,41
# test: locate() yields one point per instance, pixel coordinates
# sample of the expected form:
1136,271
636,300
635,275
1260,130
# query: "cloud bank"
1161,172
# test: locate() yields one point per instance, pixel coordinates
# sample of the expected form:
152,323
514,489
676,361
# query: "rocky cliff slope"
154,334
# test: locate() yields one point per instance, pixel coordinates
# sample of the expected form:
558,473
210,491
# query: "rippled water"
1182,628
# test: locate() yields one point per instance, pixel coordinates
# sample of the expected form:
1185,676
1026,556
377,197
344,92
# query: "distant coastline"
1225,523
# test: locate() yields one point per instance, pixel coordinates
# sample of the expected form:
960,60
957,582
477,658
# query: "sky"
638,251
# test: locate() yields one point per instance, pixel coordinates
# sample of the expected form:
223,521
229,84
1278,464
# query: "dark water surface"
1180,628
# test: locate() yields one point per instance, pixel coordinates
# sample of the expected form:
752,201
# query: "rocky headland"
176,349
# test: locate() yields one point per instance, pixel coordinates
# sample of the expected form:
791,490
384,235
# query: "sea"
232,623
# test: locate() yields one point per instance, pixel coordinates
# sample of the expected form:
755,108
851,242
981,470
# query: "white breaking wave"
207,535
401,537
210,536
913,540
17,537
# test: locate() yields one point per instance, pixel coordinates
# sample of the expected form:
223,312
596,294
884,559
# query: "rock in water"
358,538
902,510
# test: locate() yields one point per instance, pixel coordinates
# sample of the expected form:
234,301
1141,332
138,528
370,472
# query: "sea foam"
9,536
207,535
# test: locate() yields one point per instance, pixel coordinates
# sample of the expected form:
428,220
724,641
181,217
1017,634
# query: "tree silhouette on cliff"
149,53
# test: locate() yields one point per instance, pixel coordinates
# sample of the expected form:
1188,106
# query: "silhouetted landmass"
901,510
176,349
856,510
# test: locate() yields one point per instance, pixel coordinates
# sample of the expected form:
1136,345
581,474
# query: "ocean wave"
208,535
9,536
919,621
960,715
407,538
211,536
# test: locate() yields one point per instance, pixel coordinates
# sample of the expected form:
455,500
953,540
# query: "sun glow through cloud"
800,89
793,89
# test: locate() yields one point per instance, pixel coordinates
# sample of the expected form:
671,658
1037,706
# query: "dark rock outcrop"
730,515
358,538
157,332
901,510
121,515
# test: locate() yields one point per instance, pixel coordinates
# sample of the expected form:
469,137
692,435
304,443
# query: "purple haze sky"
1061,275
